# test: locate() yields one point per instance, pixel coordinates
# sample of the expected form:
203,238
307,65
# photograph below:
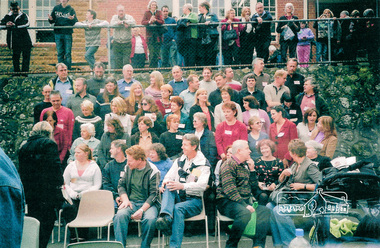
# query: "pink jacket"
238,27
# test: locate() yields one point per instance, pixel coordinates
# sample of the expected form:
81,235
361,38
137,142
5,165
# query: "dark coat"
294,26
208,147
320,103
17,36
195,109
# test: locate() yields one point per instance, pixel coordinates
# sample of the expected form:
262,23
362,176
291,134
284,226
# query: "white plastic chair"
219,218
30,233
96,209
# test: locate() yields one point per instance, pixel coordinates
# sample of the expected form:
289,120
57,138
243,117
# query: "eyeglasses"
144,104
259,122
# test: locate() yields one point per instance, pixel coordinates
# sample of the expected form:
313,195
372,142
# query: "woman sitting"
87,133
133,101
229,130
268,170
80,176
202,105
119,110
308,125
157,156
326,135
106,95
150,109
252,108
154,89
163,104
59,136
114,131
313,152
144,137
172,139
226,94
176,105
255,135
88,116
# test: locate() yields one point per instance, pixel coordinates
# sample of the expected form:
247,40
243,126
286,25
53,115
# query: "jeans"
64,43
154,51
230,55
321,51
292,45
282,227
169,54
138,60
25,59
179,211
90,55
148,221
121,53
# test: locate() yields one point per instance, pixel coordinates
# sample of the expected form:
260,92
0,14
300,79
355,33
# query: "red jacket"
133,40
145,21
238,27
287,132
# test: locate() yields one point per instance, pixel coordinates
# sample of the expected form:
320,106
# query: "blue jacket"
208,147
172,30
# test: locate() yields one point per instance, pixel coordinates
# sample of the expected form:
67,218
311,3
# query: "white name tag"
305,108
265,84
178,137
297,82
69,91
60,126
101,90
122,173
228,132
149,115
168,111
293,111
313,102
280,135
181,125
127,88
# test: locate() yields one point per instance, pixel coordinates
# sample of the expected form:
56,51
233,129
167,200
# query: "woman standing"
281,131
41,175
226,93
87,136
255,135
103,101
231,47
202,105
326,135
133,101
119,110
305,37
251,106
59,136
144,137
288,33
247,38
187,35
88,116
229,130
308,125
154,89
268,170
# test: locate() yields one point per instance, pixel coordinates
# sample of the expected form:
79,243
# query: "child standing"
139,49
305,36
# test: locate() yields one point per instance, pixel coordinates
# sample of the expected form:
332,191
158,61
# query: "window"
270,5
43,9
192,2
217,7
238,5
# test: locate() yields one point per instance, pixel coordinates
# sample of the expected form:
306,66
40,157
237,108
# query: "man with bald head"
44,104
126,82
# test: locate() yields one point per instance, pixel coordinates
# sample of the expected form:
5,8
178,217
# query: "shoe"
164,224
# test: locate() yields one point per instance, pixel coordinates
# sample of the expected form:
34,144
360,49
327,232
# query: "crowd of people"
173,141
197,44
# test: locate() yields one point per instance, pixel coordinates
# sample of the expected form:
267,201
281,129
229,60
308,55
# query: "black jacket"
208,147
262,30
294,26
17,36
320,103
195,109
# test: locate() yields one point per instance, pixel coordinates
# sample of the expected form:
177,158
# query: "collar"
309,95
59,80
179,81
258,75
236,159
149,136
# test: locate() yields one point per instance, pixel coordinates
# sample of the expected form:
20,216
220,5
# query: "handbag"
229,35
288,33
206,40
250,229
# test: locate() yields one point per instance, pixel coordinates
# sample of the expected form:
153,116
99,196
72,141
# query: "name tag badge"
280,134
181,125
305,108
297,82
168,111
178,137
127,88
69,92
101,90
293,111
313,102
265,84
122,173
149,115
228,132
60,126
235,25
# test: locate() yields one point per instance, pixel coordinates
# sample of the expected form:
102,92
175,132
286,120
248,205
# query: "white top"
124,119
303,131
209,86
139,48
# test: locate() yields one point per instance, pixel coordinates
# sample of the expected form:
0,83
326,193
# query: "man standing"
74,102
262,31
138,190
188,95
18,38
235,85
274,91
122,36
207,83
95,85
42,105
234,195
115,169
182,189
169,45
294,81
215,97
63,15
262,79
178,84
65,116
252,91
127,81
63,83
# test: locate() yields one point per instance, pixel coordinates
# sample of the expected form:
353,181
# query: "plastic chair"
30,233
96,244
201,216
219,218
96,209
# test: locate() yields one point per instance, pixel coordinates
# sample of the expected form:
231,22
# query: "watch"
142,210
304,186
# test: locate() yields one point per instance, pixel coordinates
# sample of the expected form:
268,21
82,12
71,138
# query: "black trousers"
262,48
25,59
291,45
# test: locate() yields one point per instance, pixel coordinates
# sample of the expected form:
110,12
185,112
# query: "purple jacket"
305,32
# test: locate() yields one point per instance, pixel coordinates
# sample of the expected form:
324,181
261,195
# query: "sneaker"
164,224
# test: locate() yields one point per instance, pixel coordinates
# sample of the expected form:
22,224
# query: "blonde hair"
120,105
158,79
167,87
132,98
243,11
87,104
85,148
228,13
280,73
328,126
200,91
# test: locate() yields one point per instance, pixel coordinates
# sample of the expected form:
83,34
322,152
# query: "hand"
10,24
174,186
154,117
285,162
259,20
297,186
286,172
207,23
261,185
126,204
229,21
223,156
153,19
162,190
250,208
251,164
285,26
272,187
318,18
71,17
89,25
137,215
118,201
126,25
50,17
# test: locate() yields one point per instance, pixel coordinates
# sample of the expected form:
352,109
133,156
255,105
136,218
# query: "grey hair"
238,144
256,60
42,128
120,7
313,83
120,144
345,12
126,66
202,117
317,146
289,4
60,64
194,141
189,6
89,127
150,3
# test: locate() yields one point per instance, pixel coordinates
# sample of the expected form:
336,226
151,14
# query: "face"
244,153
174,107
291,67
288,9
265,150
202,97
51,121
152,81
99,72
259,66
312,118
187,148
62,72
259,8
307,87
154,156
89,15
303,25
174,124
229,73
111,128
311,152
113,151
114,109
281,80
229,153
257,125
15,10
79,86
64,2
202,9
247,12
177,74
327,14
220,81
225,96
120,12
86,111
138,91
142,126
80,155
165,94
246,105
185,10
133,163
46,93
128,73
197,123
320,126
153,6
231,15
85,134
145,105
251,83
206,75
229,114
195,84
276,116
165,12
56,101
110,87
